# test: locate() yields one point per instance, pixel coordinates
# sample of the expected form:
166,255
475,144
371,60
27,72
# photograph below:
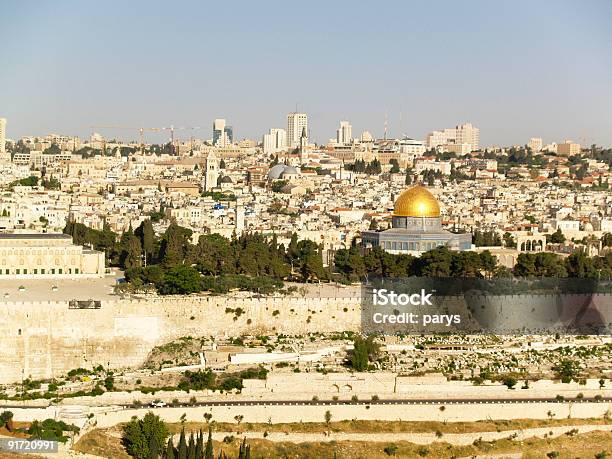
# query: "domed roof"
226,179
416,202
279,170
290,170
275,172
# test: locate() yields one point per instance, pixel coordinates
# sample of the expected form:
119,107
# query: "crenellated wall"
46,339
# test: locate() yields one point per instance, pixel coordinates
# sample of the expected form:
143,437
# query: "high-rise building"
461,134
466,133
275,141
535,143
344,134
3,138
296,123
223,135
366,136
568,148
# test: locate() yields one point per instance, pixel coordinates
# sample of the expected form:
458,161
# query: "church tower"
211,171
304,145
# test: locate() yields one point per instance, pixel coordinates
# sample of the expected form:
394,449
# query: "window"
60,271
35,270
52,270
18,271
42,271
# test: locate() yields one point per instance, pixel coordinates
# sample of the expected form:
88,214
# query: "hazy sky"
516,69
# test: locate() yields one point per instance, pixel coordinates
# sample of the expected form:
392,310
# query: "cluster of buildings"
228,187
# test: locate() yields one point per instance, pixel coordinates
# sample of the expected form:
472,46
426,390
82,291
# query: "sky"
515,69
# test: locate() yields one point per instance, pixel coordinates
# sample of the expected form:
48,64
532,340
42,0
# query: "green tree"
191,447
578,264
208,453
488,262
170,450
174,246
509,241
181,280
566,370
556,238
311,263
199,451
146,235
510,382
182,446
138,435
130,253
364,350
359,357
435,263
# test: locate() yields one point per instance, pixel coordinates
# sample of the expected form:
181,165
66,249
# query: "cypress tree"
182,446
209,454
200,445
154,448
147,238
170,452
191,449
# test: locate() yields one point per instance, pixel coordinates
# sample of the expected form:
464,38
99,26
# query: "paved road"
437,401
440,401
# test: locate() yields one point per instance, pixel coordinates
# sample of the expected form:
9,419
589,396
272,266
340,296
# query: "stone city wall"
46,339
316,413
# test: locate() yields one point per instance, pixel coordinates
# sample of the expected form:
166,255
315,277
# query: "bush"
390,450
50,429
6,420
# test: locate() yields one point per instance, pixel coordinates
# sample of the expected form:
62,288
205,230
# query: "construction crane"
171,128
141,131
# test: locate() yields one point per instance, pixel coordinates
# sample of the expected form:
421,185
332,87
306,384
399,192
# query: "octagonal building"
416,227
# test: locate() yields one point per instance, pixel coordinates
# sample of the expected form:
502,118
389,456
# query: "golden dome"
416,202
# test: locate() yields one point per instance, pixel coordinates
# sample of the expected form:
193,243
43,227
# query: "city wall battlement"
45,339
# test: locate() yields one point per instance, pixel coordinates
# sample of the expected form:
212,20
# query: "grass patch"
356,426
107,444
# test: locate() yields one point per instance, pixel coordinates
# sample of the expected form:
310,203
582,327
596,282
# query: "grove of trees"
172,264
